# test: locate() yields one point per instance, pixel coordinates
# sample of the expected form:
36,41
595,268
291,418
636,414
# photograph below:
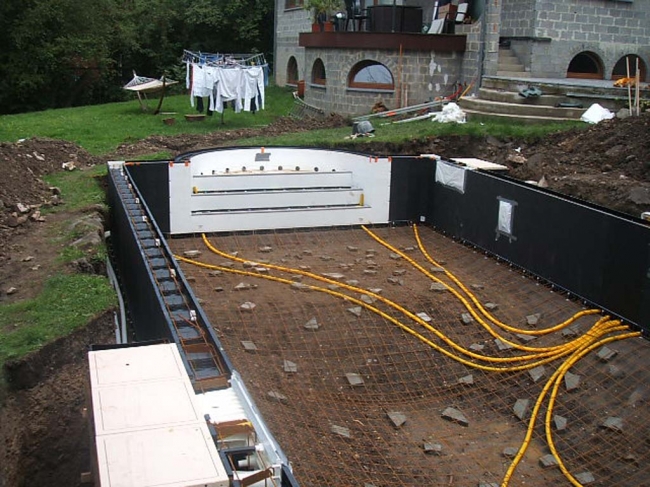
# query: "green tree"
55,53
58,53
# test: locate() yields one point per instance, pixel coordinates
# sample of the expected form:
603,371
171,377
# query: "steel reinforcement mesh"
358,392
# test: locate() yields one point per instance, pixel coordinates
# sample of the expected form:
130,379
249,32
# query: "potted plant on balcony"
322,12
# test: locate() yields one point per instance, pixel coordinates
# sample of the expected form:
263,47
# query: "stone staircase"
499,99
561,99
509,65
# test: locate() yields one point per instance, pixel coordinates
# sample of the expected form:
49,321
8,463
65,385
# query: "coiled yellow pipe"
557,375
486,313
383,315
469,308
540,352
551,404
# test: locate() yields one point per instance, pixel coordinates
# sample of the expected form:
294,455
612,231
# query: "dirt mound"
191,142
607,164
24,163
23,193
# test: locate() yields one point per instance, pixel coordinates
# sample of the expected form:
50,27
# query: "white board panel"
148,424
182,456
284,199
369,174
257,180
267,220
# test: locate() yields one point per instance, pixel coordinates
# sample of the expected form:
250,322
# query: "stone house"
381,58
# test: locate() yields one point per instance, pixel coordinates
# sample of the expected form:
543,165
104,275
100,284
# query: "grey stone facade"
544,34
288,24
547,35
424,76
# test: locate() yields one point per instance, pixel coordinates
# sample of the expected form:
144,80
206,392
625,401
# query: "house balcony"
384,40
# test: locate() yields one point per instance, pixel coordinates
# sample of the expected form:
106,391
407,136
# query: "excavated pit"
335,395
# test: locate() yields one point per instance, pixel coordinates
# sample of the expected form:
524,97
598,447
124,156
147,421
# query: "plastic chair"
355,14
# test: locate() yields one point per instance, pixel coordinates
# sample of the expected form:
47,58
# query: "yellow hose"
485,312
389,318
539,352
553,396
577,348
577,355
469,308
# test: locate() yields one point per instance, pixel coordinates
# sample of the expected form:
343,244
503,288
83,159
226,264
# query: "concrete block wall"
289,23
481,44
470,65
562,29
426,74
518,18
493,13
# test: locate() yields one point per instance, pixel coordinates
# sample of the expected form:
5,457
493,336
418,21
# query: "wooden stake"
637,88
629,88
399,79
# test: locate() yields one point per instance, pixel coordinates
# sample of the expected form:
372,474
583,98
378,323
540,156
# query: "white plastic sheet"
450,113
596,113
505,217
451,176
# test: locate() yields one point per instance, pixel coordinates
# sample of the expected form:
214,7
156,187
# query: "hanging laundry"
240,79
253,88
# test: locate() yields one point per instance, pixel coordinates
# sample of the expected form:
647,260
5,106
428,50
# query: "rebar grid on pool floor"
336,433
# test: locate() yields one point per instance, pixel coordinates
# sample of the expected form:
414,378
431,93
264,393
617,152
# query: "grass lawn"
101,128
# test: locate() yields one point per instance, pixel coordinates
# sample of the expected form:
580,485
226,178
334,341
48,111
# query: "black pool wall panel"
411,180
598,255
152,180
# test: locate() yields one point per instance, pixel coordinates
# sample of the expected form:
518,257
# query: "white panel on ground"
474,163
257,189
149,429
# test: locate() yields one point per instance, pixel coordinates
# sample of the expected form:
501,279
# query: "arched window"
620,69
292,71
586,65
289,4
371,75
318,76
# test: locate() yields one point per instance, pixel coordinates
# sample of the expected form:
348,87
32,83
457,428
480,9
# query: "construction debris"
455,415
312,324
354,379
560,422
356,310
398,418
521,408
289,366
248,345
548,461
613,423
247,306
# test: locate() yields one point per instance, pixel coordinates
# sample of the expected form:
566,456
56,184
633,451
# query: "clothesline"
223,78
223,59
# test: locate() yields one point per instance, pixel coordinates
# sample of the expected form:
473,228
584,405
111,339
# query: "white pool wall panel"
254,181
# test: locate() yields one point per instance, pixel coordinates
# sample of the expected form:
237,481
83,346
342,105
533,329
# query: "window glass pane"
374,73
